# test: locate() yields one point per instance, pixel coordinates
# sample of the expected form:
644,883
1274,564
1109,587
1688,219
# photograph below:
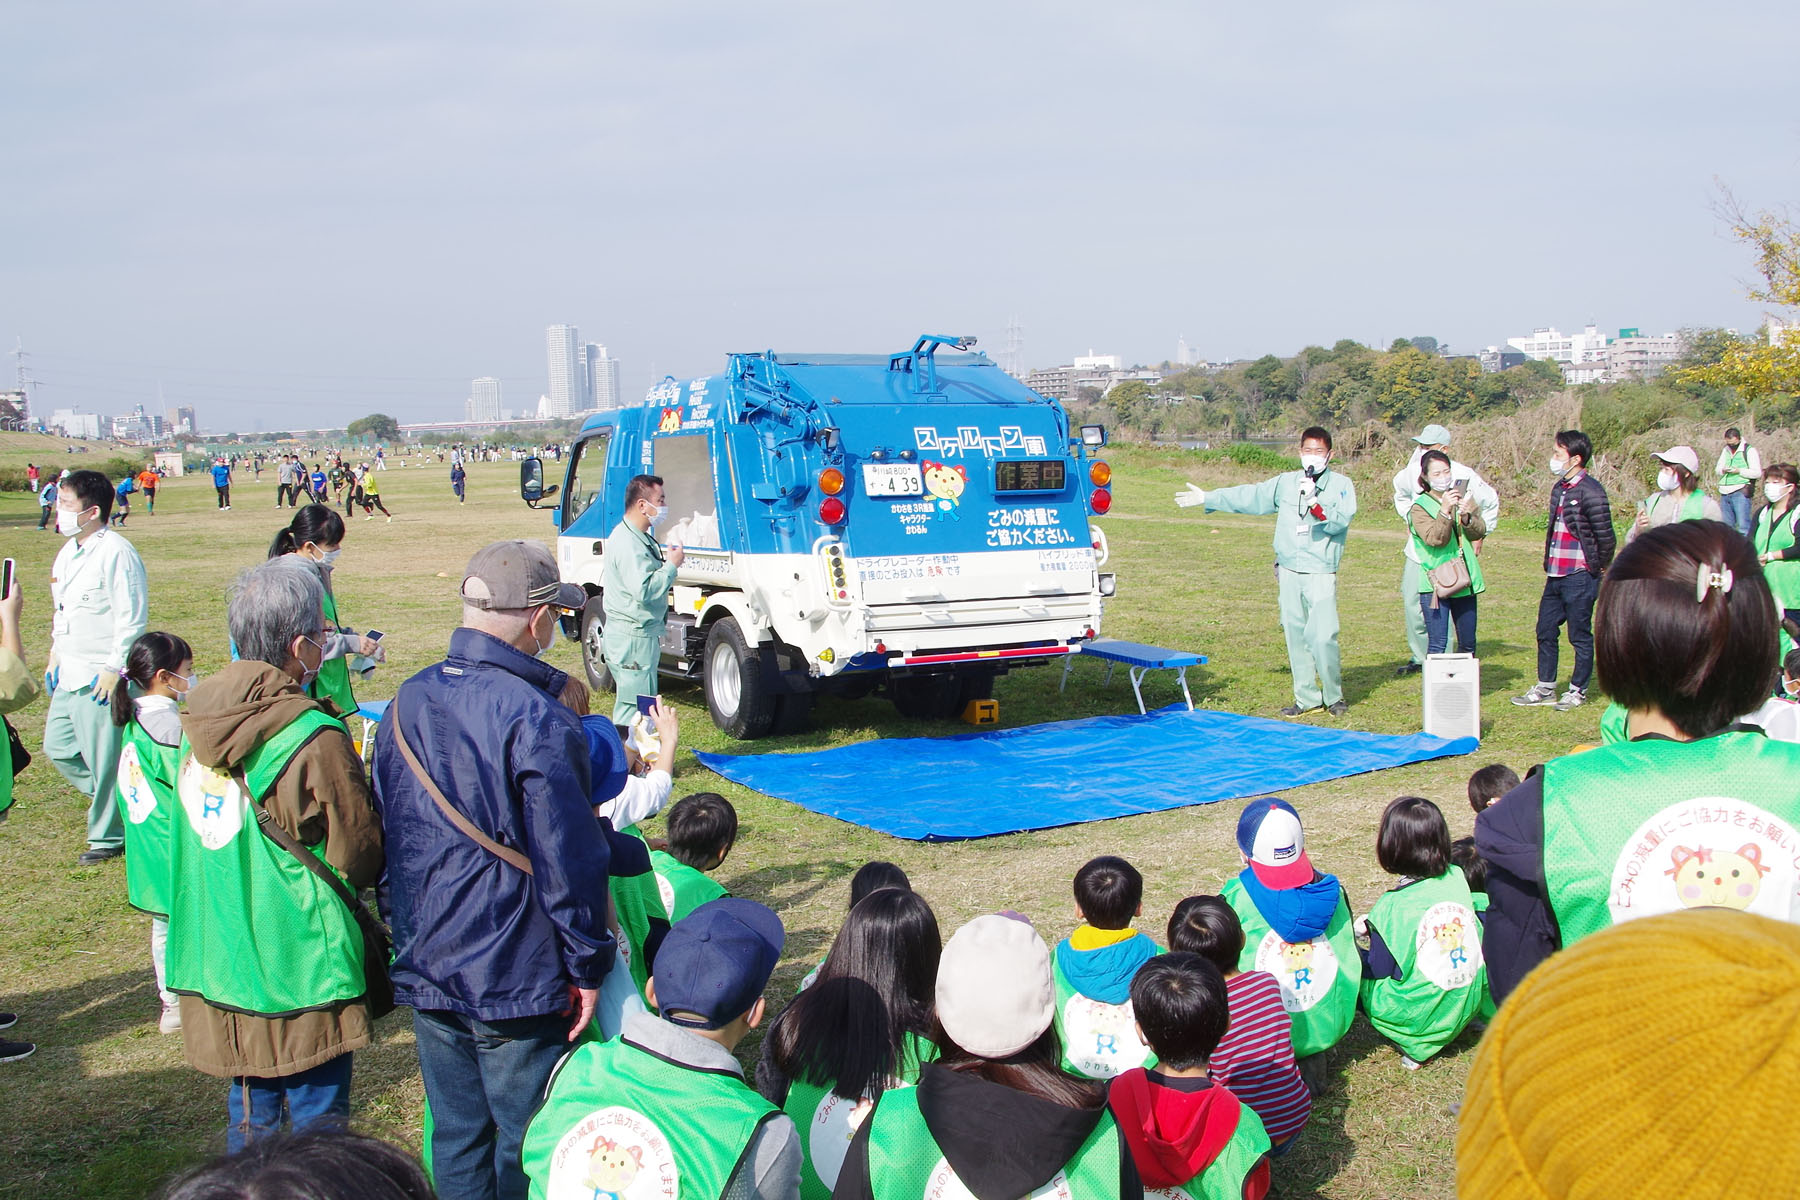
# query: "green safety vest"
906,1164
1655,826
250,928
827,1121
1693,505
1223,1178
1735,466
621,1123
1319,979
1437,556
683,889
333,680
1614,725
1431,928
1783,576
146,787
1099,1041
635,898
6,774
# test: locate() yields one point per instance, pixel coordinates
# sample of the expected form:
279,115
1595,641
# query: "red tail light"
832,511
1100,501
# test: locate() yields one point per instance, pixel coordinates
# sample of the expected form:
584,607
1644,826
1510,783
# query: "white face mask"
1666,480
68,523
1791,686
1772,492
545,647
308,674
1312,464
1439,483
1559,467
187,684
662,510
327,557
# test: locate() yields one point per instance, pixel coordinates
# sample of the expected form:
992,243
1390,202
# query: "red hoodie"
1174,1134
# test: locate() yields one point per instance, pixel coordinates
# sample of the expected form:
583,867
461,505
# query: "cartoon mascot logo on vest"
134,786
1101,1039
1305,970
1709,852
213,803
834,1124
613,1153
1447,946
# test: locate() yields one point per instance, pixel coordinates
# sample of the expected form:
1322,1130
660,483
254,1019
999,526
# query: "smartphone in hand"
8,570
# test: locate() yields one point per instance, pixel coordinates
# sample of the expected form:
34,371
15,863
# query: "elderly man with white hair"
1406,494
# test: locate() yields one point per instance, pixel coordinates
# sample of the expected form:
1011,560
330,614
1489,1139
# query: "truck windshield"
585,471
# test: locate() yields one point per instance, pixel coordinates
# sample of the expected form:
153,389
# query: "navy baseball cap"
1270,835
713,965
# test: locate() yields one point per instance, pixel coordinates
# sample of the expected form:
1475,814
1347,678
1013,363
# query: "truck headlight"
1109,583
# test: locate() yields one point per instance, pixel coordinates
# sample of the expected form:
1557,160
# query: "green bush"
12,479
1249,454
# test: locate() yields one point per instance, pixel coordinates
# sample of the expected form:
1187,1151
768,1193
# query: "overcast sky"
294,213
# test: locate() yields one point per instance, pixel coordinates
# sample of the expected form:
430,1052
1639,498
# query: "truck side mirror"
531,482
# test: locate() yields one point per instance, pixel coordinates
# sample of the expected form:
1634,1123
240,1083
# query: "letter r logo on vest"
212,802
134,786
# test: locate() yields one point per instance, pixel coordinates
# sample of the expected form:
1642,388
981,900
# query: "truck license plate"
892,479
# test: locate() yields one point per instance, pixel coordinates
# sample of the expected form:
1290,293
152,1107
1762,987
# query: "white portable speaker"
1452,695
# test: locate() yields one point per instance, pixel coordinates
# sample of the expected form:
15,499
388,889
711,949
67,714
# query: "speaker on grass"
1452,695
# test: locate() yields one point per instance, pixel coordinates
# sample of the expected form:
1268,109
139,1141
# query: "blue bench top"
1140,655
371,710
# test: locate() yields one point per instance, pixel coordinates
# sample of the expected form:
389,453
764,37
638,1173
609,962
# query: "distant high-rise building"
1184,357
566,377
602,372
181,420
484,399
1550,343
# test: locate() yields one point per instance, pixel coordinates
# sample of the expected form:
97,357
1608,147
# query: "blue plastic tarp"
1040,776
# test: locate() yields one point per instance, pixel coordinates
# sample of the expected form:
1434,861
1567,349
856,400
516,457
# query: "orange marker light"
1100,473
831,481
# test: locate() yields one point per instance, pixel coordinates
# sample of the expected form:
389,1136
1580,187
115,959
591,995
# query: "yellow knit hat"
1659,1058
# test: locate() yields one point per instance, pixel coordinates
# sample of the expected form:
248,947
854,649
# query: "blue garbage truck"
910,524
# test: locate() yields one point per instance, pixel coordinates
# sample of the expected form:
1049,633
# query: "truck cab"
913,524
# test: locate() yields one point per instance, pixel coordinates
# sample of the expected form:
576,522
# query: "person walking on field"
1313,508
458,477
47,502
1578,547
148,480
371,490
1739,468
221,477
100,603
635,578
1406,495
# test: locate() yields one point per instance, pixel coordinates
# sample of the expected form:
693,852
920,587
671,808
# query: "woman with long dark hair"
314,539
862,1028
1004,1118
1775,542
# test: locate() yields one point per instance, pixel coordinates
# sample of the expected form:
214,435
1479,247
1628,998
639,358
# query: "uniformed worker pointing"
1313,507
635,579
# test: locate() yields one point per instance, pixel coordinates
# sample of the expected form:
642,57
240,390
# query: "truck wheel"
793,713
736,694
927,697
593,622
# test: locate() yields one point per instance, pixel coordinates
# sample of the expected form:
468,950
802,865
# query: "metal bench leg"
1137,679
1107,682
1181,674
1068,665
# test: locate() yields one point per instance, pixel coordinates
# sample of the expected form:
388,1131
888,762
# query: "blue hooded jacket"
1105,974
1297,914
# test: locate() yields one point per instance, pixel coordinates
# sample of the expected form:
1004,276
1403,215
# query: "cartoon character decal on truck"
851,524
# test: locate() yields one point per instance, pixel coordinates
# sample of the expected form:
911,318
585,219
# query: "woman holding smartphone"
1445,526
314,539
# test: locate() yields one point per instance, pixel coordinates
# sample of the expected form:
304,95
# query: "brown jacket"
323,799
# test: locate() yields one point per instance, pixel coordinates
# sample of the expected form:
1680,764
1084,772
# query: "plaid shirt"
1566,555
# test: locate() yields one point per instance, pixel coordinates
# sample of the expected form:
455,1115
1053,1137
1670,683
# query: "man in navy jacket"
501,967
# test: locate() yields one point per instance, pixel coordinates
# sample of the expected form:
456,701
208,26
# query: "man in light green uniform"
635,579
1313,507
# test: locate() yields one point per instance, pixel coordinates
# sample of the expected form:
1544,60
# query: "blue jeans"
1461,610
1735,508
318,1097
1567,600
484,1079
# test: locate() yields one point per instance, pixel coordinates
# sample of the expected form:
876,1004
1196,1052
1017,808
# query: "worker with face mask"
635,578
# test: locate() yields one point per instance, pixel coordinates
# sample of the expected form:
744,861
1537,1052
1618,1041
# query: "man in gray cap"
496,885
1406,494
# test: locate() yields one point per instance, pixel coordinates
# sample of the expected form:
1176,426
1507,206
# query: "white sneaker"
171,1018
1573,698
1540,693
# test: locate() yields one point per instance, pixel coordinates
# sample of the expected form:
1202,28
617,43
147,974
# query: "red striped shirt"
1256,1057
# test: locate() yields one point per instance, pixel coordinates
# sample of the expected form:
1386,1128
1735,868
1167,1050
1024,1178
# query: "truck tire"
927,697
737,696
793,713
593,622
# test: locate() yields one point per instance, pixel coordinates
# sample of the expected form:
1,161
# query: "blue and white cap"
1270,836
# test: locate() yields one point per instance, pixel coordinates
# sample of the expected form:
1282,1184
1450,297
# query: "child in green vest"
870,878
702,828
159,668
860,1031
1423,974
666,1099
1187,1132
1094,968
1005,1119
1296,926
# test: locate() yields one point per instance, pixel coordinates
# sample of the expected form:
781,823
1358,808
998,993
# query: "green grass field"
107,1106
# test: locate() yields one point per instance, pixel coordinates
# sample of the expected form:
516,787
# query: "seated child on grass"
870,877
1094,967
1255,1058
702,828
1489,784
1186,1129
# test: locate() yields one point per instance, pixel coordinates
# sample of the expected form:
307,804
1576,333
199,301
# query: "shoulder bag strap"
463,824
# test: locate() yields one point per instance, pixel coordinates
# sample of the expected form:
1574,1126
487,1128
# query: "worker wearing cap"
635,577
666,1099
1678,495
497,872
1739,467
1406,494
